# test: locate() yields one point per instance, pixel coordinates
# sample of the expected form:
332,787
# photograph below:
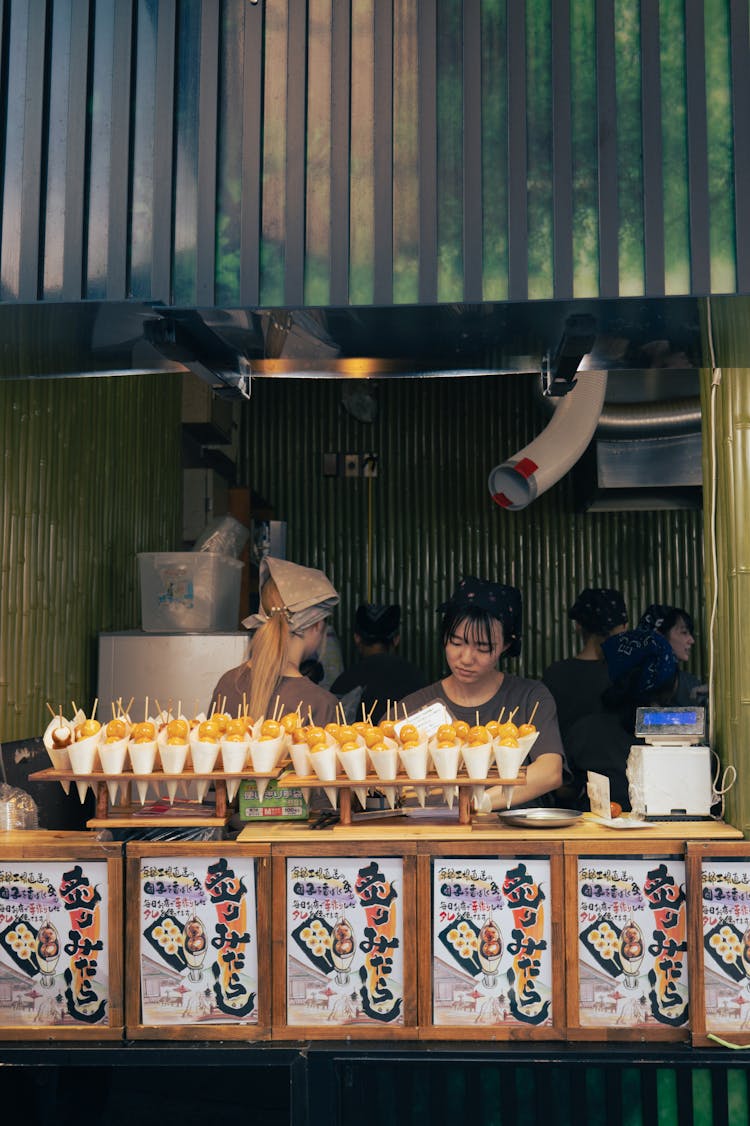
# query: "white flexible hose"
541,464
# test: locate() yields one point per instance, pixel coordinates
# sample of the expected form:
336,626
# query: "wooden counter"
429,827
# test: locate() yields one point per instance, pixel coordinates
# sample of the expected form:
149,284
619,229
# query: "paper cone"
324,764
82,758
142,759
445,760
262,784
265,754
385,763
173,758
477,760
509,760
354,763
300,753
204,756
113,789
82,788
333,795
233,756
112,756
233,785
61,761
58,755
414,761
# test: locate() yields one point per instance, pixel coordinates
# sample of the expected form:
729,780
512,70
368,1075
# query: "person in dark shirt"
577,683
380,673
643,671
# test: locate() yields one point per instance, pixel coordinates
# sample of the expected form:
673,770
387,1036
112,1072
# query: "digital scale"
670,773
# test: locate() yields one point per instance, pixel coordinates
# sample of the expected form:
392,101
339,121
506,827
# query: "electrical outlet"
351,465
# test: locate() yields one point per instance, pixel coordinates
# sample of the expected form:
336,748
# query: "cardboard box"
280,802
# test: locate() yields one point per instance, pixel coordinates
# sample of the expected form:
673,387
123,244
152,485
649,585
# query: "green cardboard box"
280,802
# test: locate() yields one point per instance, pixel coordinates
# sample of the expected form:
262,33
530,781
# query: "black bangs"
474,625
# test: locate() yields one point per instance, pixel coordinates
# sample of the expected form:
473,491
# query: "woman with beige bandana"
290,627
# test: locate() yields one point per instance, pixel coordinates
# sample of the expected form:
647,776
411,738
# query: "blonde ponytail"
269,652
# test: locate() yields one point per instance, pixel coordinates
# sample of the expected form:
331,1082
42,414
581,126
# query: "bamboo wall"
91,475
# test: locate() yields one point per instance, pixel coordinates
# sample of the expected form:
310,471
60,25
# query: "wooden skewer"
276,706
372,709
533,712
93,710
510,717
74,706
145,710
500,714
52,711
131,701
406,714
476,717
223,703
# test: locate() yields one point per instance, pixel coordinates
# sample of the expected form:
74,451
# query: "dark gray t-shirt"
577,688
514,692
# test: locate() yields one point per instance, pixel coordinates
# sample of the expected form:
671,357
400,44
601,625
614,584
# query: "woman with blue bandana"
676,625
642,670
481,624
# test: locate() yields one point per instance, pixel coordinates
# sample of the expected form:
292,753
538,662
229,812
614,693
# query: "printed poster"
345,941
632,943
54,951
199,949
725,897
492,960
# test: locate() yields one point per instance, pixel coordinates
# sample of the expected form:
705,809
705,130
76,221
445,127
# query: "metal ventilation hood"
231,347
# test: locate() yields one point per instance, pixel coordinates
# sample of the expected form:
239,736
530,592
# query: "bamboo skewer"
533,712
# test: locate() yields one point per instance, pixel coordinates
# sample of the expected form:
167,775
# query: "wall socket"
351,465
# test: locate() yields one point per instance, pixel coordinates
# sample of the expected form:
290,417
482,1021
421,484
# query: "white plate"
622,822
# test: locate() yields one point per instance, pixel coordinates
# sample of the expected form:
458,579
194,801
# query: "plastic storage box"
189,591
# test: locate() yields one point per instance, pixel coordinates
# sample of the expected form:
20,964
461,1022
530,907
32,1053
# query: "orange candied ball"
290,721
178,728
271,729
462,729
526,729
116,729
493,728
87,728
208,731
408,734
314,735
478,734
388,727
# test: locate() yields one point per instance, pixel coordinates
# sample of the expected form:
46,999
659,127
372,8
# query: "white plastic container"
189,591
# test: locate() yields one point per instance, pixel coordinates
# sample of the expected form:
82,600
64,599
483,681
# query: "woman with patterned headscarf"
289,629
481,624
676,625
642,671
577,682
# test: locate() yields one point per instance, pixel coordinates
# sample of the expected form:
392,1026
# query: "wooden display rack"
402,781
109,816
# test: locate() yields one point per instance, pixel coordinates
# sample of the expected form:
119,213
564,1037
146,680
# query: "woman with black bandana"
577,683
481,624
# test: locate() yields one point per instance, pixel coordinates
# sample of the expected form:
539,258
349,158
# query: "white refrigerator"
177,667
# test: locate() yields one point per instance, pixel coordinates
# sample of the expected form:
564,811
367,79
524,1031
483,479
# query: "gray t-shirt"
514,692
291,691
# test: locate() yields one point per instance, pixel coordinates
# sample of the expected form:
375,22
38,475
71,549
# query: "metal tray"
539,818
